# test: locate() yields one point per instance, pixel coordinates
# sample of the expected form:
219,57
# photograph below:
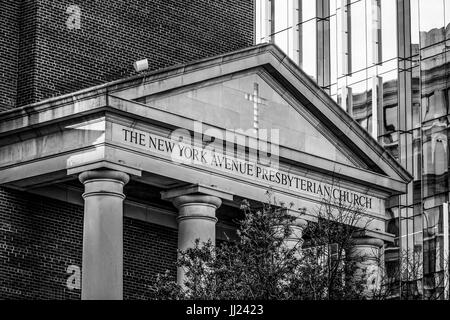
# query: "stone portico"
181,147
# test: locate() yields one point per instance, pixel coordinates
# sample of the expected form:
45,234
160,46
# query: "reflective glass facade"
387,62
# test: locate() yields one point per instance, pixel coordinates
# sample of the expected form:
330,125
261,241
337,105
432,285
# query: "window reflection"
433,259
434,92
418,75
435,163
360,103
417,166
358,36
388,29
432,21
390,106
281,16
308,48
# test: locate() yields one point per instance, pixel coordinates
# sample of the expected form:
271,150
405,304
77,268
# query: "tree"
329,269
406,280
260,265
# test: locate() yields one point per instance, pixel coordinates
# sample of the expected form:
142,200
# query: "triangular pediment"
221,91
251,101
129,124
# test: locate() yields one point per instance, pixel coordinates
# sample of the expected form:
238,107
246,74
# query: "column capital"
197,189
295,239
300,223
104,174
202,199
196,216
373,242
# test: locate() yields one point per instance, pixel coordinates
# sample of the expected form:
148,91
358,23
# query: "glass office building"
387,62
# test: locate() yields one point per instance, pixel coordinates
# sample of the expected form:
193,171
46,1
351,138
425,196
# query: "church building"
106,170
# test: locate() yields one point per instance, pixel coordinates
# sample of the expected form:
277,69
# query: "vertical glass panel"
370,100
416,96
308,48
258,21
360,103
392,225
404,232
339,42
388,29
407,229
435,157
373,23
418,229
431,224
447,82
333,89
417,166
282,40
292,21
434,93
358,36
432,22
390,143
447,19
333,50
340,97
388,65
308,9
357,76
281,15
390,102
415,39
333,7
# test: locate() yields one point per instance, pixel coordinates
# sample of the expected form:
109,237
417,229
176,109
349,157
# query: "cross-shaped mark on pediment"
257,101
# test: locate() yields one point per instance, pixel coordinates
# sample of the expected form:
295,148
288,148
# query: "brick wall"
55,60
40,57
9,46
41,237
148,250
26,77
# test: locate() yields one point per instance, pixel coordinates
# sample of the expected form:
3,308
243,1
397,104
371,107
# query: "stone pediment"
222,91
255,100
127,126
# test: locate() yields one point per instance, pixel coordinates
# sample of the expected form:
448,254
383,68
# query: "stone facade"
117,208
110,150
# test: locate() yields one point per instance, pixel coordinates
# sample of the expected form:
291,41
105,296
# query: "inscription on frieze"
209,158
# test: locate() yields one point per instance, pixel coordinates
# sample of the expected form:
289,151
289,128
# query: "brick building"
94,202
41,57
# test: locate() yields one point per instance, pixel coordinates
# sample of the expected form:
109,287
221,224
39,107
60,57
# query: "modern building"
106,169
385,63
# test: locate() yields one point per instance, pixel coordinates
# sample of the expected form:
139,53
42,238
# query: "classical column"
196,220
365,252
296,237
102,265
